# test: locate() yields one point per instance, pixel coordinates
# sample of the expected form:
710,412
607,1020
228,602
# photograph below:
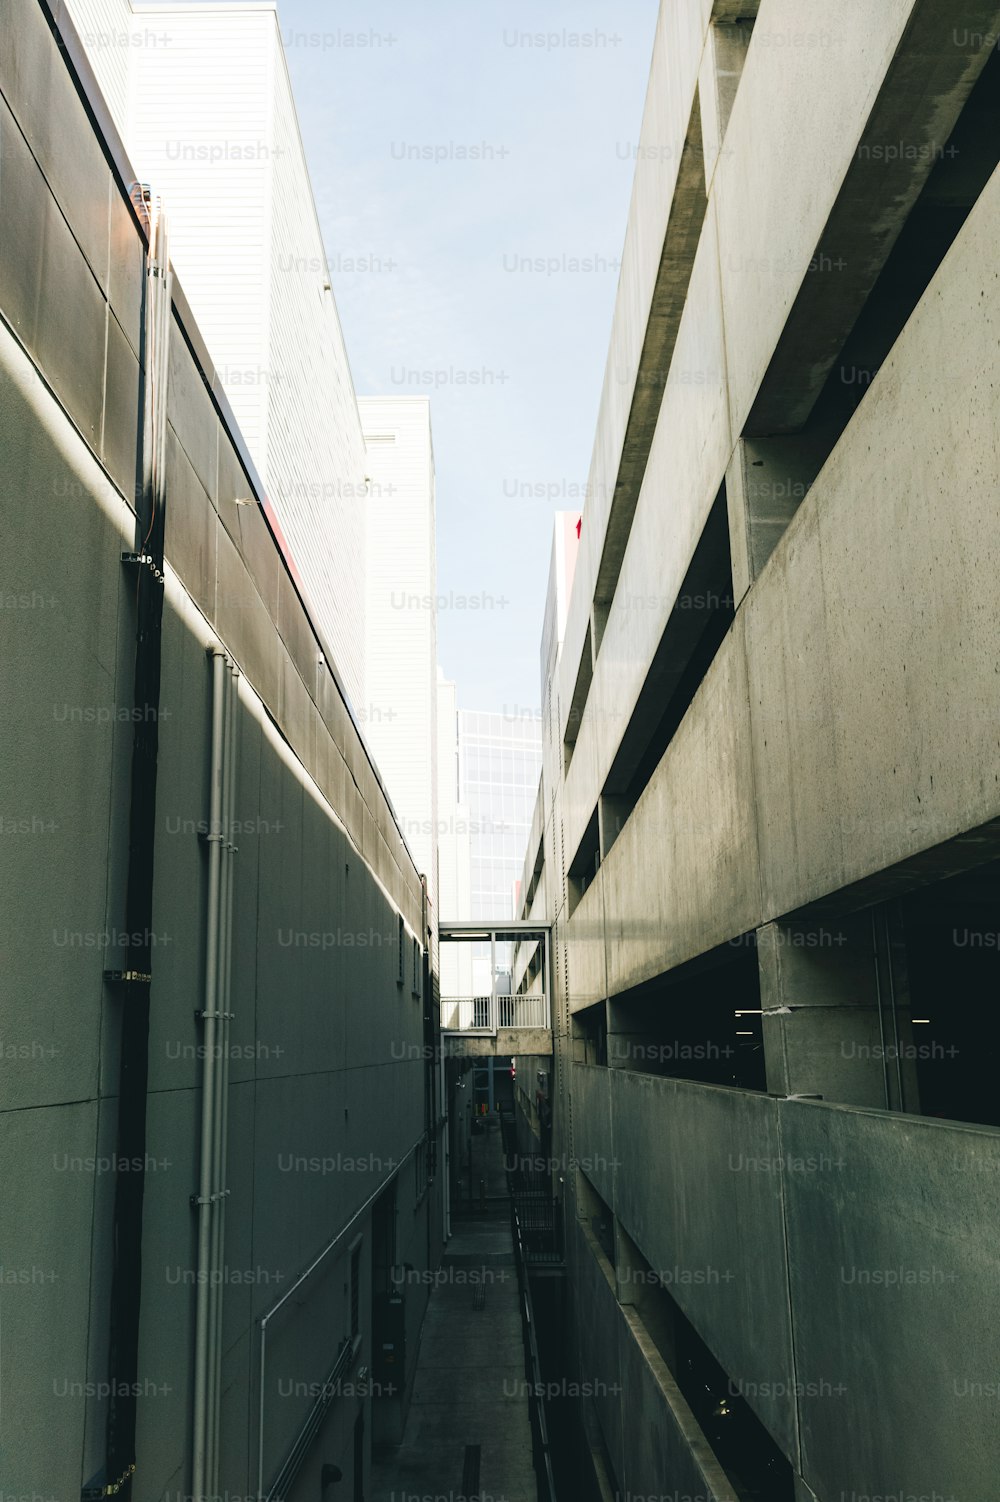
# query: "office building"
201,98
401,615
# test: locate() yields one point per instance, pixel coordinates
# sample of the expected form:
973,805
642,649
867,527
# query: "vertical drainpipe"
203,1201
210,1200
135,978
222,1094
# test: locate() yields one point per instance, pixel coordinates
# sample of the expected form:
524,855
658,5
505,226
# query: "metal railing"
540,1442
484,1015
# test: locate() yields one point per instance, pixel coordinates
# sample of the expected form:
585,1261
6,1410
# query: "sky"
472,162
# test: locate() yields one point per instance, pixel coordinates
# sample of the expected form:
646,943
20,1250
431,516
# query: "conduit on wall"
210,1200
134,979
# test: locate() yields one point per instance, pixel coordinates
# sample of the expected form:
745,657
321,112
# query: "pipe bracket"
144,560
97,1489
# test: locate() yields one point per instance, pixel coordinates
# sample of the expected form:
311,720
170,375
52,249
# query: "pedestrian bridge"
495,994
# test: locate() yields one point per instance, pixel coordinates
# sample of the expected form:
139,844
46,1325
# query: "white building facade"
400,710
202,100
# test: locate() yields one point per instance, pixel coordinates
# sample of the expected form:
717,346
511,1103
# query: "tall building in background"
454,843
493,762
499,762
202,100
400,710
566,529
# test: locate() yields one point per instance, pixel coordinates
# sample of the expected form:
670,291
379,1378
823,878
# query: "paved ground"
469,1387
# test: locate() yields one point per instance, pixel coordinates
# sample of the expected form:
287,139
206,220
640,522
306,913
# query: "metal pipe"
225,1001
445,1130
215,1293
218,1103
204,1201
136,973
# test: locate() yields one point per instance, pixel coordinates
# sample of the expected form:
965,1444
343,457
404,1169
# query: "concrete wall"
323,1035
841,748
785,1232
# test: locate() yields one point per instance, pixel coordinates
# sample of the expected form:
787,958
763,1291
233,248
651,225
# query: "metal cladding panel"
46,1319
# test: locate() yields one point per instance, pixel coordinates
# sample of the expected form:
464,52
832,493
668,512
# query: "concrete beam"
836,1013
528,1042
925,88
734,10
687,214
721,69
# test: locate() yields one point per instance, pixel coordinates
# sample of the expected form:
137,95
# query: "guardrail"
541,1447
483,1015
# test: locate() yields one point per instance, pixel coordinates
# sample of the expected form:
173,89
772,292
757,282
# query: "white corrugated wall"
401,614
201,136
210,123
111,34
316,451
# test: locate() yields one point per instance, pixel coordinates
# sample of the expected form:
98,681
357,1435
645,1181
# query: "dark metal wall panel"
59,576
122,394
192,529
192,415
42,95
125,277
71,326
24,202
243,620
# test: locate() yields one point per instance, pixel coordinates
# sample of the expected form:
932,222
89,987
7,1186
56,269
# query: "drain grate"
470,1474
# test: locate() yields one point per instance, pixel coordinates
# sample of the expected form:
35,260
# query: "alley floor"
468,1430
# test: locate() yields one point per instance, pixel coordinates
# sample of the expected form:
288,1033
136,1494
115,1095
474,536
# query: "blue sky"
534,144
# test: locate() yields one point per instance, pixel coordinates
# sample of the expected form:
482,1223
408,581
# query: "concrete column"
836,1013
611,814
580,1047
629,1046
766,482
721,67
600,611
